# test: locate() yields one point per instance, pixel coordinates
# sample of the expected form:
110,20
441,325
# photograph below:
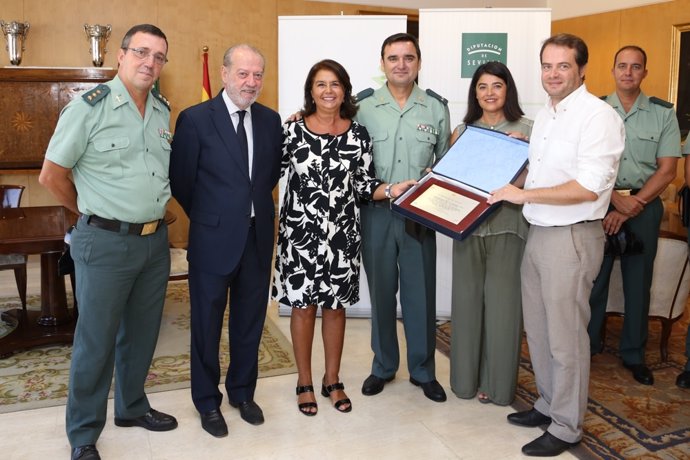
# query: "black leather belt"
116,226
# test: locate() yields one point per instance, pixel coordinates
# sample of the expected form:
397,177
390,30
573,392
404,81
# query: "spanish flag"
205,84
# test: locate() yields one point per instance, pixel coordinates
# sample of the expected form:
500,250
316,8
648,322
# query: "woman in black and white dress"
327,159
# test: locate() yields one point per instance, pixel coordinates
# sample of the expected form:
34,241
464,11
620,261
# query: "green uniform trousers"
637,271
389,254
121,281
486,318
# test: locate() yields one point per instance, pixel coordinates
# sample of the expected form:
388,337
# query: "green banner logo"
480,48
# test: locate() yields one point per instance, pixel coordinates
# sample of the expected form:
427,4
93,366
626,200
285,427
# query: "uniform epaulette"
604,97
661,102
161,98
365,93
435,95
99,92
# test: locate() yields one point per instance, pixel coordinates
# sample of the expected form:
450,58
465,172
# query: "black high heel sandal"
326,391
306,406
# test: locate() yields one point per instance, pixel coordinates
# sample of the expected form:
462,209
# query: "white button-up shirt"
582,139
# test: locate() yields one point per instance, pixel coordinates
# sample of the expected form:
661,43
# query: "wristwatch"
387,191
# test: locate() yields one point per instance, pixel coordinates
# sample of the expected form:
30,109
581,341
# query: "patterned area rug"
39,377
624,420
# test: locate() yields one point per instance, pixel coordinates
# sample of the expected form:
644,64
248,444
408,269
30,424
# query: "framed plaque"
452,198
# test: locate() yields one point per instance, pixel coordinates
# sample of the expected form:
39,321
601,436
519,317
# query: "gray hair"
227,57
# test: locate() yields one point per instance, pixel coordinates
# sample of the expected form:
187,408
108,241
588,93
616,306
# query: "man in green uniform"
114,141
410,129
648,165
683,379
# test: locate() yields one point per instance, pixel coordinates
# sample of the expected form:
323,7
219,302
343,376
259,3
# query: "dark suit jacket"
208,180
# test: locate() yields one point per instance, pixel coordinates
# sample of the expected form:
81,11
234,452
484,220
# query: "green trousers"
390,254
121,282
637,271
486,316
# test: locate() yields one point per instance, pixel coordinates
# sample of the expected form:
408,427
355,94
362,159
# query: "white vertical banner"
453,43
353,41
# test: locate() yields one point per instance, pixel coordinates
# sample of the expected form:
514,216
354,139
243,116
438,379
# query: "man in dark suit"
225,163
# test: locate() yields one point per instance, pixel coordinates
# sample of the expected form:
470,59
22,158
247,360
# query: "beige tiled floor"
396,424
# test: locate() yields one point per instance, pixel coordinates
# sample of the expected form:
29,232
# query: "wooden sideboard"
30,102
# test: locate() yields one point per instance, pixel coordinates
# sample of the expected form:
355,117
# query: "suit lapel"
223,124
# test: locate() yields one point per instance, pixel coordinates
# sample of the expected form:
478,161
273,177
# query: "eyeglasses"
144,53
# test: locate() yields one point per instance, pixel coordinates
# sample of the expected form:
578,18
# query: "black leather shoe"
214,423
529,418
373,385
88,452
546,445
250,412
152,421
432,390
683,379
641,373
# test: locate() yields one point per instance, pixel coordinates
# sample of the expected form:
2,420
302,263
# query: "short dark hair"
402,37
568,41
144,28
633,48
348,108
511,109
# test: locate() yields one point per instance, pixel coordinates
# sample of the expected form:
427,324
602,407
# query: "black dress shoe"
250,412
546,445
432,390
373,385
88,452
641,373
529,418
214,423
152,421
683,379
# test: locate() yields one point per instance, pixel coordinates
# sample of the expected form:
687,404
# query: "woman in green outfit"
486,305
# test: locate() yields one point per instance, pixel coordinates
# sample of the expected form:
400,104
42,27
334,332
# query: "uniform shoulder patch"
99,92
161,98
365,93
661,102
435,95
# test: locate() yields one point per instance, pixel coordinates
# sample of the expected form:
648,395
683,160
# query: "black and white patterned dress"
317,260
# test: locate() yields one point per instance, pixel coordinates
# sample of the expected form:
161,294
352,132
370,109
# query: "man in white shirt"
575,148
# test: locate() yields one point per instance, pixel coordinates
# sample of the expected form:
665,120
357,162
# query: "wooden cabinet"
30,103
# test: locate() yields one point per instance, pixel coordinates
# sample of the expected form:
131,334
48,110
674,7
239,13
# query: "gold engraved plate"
149,227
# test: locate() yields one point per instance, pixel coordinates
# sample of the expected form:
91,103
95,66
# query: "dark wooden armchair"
11,196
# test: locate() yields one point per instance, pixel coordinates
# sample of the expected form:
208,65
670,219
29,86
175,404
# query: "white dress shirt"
582,139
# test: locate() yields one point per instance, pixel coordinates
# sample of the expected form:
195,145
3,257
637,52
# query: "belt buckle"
149,228
624,192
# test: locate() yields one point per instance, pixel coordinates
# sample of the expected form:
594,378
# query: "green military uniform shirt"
651,132
405,141
119,161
